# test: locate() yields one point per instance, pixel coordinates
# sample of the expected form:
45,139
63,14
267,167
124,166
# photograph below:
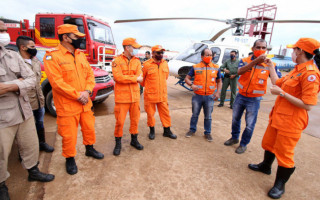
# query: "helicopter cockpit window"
193,53
226,54
218,52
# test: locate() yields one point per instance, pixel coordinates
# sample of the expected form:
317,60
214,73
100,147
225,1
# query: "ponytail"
317,57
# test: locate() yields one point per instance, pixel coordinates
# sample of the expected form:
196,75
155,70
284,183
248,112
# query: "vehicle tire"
50,104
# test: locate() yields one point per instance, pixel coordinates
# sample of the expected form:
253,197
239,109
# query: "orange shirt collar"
65,50
303,65
155,61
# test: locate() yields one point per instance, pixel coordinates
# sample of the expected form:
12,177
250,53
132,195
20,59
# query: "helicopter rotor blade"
172,18
290,21
220,33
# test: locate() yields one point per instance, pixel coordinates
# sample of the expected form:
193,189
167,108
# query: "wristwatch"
88,91
282,94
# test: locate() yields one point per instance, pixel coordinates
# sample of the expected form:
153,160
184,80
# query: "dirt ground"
186,168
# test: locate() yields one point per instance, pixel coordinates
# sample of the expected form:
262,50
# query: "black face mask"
75,43
32,52
158,57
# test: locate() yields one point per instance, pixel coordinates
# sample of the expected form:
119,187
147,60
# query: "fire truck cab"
98,45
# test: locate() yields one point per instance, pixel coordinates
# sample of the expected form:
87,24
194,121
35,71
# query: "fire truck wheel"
50,104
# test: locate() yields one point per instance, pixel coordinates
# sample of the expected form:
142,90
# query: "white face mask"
294,57
4,39
135,52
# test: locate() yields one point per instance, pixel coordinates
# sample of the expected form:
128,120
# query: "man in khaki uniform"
16,121
28,52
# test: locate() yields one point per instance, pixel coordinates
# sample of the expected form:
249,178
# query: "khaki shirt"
35,95
15,106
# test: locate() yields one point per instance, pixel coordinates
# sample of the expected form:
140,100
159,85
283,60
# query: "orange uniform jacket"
302,82
205,78
155,81
125,73
253,83
68,76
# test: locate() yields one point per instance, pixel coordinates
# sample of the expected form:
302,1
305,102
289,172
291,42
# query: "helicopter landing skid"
183,84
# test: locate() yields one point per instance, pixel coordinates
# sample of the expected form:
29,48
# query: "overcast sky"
173,35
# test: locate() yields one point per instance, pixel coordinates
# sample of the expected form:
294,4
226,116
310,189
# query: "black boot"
4,194
283,175
152,133
265,165
42,142
135,143
117,148
71,166
36,175
167,133
90,151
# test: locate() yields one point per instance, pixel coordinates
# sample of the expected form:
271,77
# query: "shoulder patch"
312,78
48,57
114,64
310,67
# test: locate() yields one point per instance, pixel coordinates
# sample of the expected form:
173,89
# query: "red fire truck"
98,46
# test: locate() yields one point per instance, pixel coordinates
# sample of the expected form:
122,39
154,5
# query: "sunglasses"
159,52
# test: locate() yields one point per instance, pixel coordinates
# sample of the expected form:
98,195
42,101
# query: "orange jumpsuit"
69,75
155,77
286,121
126,93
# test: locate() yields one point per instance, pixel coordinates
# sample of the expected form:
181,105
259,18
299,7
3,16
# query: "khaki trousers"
25,135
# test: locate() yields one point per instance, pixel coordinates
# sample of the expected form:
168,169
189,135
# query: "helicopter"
221,46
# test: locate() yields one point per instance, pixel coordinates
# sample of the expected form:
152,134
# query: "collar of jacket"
4,51
161,61
65,50
125,57
303,65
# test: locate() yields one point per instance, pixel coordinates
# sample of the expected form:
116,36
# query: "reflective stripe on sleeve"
258,92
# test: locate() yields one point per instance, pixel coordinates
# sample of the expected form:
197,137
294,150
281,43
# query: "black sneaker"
189,134
241,149
220,105
231,141
209,137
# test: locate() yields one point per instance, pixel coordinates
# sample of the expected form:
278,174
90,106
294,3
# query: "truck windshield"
100,32
193,53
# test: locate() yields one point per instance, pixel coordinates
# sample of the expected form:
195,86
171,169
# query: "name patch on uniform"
312,78
198,72
263,72
48,57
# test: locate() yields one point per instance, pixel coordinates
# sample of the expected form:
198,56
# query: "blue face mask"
135,52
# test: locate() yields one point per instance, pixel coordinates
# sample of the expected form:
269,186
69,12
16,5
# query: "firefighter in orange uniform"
155,75
297,93
126,69
72,81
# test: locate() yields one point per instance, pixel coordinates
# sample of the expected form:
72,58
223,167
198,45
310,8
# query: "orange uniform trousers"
163,110
68,129
120,113
276,141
